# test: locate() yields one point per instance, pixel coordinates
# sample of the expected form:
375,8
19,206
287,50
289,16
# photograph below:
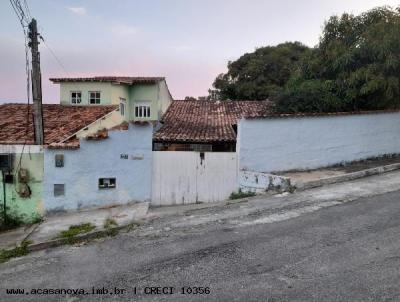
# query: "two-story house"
139,98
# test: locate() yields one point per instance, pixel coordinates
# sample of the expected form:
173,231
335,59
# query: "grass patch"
132,226
240,194
77,229
18,251
110,223
110,227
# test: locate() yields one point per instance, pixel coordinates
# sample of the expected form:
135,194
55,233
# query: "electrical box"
59,160
6,162
23,176
9,178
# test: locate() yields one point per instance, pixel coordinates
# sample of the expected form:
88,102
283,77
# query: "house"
23,162
139,98
98,145
193,125
99,167
207,169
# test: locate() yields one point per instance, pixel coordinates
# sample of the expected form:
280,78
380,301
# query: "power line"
27,9
24,21
19,11
54,55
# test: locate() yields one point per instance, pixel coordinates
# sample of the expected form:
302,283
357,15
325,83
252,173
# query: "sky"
187,41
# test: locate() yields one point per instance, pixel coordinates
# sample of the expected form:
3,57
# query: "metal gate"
181,177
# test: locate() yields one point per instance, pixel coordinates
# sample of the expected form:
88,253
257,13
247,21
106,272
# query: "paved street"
330,251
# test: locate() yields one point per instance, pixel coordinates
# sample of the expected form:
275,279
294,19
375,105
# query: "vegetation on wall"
355,66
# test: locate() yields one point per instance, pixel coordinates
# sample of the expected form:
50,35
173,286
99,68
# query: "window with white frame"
76,97
122,106
94,97
142,110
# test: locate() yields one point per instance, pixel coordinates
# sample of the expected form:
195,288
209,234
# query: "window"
59,160
59,190
107,183
76,97
122,106
142,110
94,97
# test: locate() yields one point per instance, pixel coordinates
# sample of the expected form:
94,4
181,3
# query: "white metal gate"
181,177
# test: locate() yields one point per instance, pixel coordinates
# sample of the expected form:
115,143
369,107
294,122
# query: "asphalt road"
346,252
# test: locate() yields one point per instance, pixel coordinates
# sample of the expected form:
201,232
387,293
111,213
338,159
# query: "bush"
11,221
241,194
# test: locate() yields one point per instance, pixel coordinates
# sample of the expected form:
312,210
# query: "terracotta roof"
206,121
60,122
112,79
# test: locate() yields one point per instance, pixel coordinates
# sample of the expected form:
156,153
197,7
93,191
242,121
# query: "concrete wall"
144,94
97,159
259,182
164,97
267,145
111,120
119,91
27,208
182,177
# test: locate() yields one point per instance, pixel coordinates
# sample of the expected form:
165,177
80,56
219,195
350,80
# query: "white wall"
181,177
267,145
100,159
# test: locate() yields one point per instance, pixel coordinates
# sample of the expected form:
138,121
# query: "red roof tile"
206,121
60,122
112,79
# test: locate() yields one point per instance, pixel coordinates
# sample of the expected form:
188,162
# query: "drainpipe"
4,198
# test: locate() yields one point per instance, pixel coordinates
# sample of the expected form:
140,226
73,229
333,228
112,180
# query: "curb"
78,238
299,187
346,177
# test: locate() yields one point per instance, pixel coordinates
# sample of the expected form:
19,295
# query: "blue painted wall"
97,159
266,145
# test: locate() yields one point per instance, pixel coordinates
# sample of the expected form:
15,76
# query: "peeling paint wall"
125,155
259,182
267,145
27,208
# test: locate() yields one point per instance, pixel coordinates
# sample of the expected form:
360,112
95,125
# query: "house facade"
139,98
22,162
109,167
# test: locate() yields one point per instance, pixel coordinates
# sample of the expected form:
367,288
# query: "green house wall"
31,208
156,95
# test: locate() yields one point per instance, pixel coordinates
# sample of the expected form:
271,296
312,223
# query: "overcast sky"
187,41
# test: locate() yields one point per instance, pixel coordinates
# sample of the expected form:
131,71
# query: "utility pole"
36,84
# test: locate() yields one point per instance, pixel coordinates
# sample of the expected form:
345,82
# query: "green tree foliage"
260,74
356,66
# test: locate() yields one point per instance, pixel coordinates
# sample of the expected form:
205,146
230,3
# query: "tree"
260,74
356,66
